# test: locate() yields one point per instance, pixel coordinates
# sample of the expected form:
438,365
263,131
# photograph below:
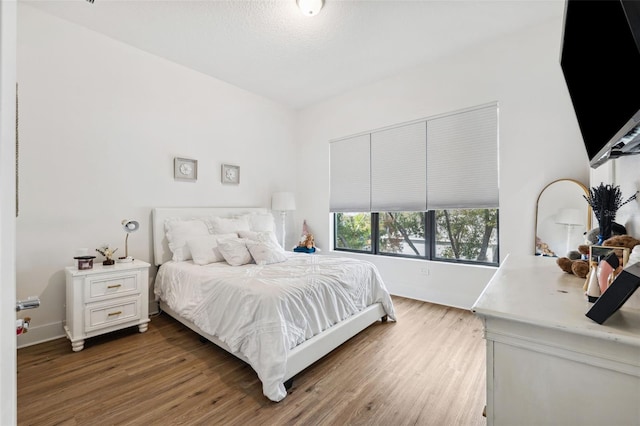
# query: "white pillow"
263,237
179,231
265,253
261,221
226,225
234,251
204,250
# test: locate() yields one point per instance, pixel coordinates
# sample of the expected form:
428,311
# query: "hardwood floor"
426,369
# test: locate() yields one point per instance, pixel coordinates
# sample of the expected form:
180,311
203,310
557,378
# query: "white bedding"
262,311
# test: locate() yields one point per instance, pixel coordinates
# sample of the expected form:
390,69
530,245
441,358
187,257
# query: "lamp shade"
130,225
283,201
571,217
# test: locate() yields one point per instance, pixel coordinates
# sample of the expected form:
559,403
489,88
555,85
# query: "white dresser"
105,299
547,363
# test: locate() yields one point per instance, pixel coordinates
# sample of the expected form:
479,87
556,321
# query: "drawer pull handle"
114,286
111,314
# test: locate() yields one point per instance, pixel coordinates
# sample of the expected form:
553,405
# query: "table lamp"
282,202
129,226
570,218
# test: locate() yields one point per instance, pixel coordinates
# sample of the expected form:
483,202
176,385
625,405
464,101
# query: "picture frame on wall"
185,169
230,174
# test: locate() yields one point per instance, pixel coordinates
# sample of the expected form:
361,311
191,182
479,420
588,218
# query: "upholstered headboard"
161,252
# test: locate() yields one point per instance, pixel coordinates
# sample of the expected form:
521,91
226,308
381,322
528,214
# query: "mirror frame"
586,193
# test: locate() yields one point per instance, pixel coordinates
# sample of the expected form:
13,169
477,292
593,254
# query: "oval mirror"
562,218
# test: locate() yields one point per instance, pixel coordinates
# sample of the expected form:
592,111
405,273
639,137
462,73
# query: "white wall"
100,124
625,172
539,142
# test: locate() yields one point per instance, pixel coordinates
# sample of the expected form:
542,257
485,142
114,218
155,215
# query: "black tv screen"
600,60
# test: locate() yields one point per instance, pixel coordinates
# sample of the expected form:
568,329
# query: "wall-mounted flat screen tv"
600,60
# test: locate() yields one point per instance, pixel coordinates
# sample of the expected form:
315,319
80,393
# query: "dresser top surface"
534,290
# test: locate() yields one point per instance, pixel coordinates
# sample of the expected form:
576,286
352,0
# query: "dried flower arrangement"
107,253
606,200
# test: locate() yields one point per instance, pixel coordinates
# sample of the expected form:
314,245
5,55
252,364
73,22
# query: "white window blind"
446,162
351,175
462,160
398,169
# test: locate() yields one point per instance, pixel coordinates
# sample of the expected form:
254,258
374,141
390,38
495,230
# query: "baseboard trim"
53,331
41,334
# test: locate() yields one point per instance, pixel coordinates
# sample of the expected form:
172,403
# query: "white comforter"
262,311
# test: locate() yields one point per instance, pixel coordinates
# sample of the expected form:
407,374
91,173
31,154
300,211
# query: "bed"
279,311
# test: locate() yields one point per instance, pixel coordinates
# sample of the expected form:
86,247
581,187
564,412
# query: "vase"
108,262
605,229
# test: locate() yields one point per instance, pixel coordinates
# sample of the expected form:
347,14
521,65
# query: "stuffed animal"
580,267
307,241
575,262
621,241
616,229
543,249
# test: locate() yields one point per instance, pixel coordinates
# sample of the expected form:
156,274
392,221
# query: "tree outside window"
353,231
465,235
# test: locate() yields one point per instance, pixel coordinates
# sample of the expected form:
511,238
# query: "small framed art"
230,174
185,169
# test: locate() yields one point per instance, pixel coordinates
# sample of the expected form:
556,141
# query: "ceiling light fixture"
310,7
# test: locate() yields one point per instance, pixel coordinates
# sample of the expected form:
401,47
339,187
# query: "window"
467,235
353,232
402,233
458,235
426,189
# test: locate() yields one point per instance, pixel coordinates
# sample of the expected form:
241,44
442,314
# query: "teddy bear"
621,241
580,267
543,249
306,244
576,265
307,241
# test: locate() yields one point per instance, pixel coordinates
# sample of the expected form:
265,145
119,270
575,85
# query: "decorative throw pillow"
179,231
266,253
260,221
263,236
234,251
226,225
204,250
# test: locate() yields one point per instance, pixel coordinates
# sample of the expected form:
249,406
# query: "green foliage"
353,231
466,233
397,229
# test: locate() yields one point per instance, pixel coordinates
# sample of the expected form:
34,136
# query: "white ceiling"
270,48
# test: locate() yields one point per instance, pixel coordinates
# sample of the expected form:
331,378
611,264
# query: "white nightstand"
105,299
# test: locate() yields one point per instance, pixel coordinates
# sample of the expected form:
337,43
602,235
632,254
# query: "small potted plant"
108,254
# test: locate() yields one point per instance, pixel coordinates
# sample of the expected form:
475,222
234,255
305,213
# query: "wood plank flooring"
425,369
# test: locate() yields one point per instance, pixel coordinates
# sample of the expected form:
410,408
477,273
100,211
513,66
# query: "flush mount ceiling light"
310,7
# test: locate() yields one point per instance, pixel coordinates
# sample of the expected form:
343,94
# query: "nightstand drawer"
106,315
110,286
